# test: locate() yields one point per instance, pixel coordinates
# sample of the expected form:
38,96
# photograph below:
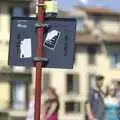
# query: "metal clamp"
42,5
40,24
40,59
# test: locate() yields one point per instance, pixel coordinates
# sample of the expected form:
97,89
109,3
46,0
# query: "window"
28,69
46,81
95,18
72,84
115,60
0,17
91,78
91,55
80,24
72,107
18,11
17,118
4,115
19,95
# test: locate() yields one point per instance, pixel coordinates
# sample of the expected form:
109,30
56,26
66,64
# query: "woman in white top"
30,113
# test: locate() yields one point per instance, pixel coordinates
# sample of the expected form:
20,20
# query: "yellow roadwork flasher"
51,6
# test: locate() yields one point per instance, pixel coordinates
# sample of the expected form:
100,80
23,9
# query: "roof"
88,38
108,38
63,14
98,10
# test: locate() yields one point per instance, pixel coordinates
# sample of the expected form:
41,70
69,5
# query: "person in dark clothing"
95,109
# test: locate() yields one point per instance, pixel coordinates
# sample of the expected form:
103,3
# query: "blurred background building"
97,52
14,81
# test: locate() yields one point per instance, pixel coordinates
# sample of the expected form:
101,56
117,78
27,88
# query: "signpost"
39,54
42,43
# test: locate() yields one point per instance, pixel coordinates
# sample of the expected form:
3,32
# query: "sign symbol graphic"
52,39
25,48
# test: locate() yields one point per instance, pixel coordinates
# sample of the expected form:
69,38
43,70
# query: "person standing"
118,97
111,104
30,113
51,105
118,90
95,109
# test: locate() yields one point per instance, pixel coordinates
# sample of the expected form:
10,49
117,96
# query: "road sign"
59,41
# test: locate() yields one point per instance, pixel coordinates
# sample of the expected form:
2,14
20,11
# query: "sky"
67,4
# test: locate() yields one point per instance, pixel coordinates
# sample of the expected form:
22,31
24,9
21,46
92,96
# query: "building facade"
97,52
14,81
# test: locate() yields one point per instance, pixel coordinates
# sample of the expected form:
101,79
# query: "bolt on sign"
59,42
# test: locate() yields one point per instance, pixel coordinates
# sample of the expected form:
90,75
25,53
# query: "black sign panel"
59,40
